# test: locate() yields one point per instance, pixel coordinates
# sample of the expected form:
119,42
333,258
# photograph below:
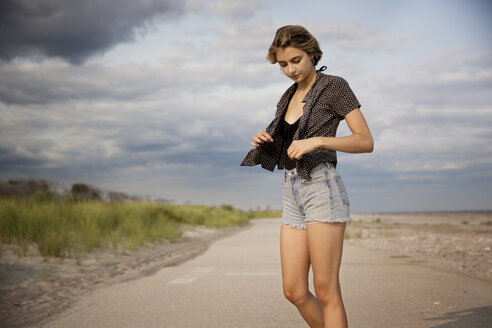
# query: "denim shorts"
322,199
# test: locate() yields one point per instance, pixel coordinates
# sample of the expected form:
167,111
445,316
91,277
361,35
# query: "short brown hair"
294,36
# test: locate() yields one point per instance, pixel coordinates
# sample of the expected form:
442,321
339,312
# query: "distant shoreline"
428,212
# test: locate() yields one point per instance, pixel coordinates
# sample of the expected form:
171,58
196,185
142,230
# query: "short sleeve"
345,100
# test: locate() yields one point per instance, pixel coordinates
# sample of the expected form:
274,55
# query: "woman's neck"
305,85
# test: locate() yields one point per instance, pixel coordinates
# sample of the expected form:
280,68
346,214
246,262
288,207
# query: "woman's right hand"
260,138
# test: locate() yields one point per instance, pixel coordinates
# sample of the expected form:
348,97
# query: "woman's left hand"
298,148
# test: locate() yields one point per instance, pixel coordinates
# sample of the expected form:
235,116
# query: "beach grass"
67,228
267,214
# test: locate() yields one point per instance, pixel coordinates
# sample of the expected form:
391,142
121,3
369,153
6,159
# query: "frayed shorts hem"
304,225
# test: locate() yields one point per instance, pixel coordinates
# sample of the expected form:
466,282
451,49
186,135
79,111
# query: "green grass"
66,228
267,214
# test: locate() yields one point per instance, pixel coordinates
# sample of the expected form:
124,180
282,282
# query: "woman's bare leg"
294,257
325,247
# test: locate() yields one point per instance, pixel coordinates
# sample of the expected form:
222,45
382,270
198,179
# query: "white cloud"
426,121
229,9
354,36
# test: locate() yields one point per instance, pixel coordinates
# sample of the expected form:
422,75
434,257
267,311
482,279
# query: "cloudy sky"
161,98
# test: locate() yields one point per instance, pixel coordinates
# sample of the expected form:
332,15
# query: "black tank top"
288,131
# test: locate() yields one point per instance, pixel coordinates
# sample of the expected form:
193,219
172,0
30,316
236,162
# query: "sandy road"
237,283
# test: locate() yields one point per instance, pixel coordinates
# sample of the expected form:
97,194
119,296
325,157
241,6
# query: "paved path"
237,283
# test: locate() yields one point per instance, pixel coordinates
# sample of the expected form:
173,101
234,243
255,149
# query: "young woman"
301,141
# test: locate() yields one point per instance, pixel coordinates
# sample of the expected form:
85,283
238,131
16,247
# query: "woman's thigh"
294,257
325,242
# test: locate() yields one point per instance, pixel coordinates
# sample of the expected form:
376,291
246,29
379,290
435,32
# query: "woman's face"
296,64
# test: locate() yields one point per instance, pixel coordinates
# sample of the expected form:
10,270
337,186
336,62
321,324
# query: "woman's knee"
296,295
327,293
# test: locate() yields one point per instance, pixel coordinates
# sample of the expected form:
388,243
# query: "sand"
455,242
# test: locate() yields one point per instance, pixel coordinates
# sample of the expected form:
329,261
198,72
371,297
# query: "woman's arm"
359,142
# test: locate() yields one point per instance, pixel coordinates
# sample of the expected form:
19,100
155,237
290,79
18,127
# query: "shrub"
227,207
84,192
23,188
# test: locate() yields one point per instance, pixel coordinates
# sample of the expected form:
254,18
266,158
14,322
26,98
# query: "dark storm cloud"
74,29
12,159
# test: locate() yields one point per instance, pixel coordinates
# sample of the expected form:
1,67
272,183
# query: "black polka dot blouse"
326,104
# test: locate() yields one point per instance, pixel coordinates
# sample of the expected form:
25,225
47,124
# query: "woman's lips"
295,76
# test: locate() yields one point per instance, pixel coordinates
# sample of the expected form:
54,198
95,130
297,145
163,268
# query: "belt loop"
327,168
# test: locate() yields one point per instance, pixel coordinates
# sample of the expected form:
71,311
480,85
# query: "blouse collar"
318,76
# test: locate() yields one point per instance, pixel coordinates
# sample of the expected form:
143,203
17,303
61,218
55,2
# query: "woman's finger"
260,138
267,136
257,140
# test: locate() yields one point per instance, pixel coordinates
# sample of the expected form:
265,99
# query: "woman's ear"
312,59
